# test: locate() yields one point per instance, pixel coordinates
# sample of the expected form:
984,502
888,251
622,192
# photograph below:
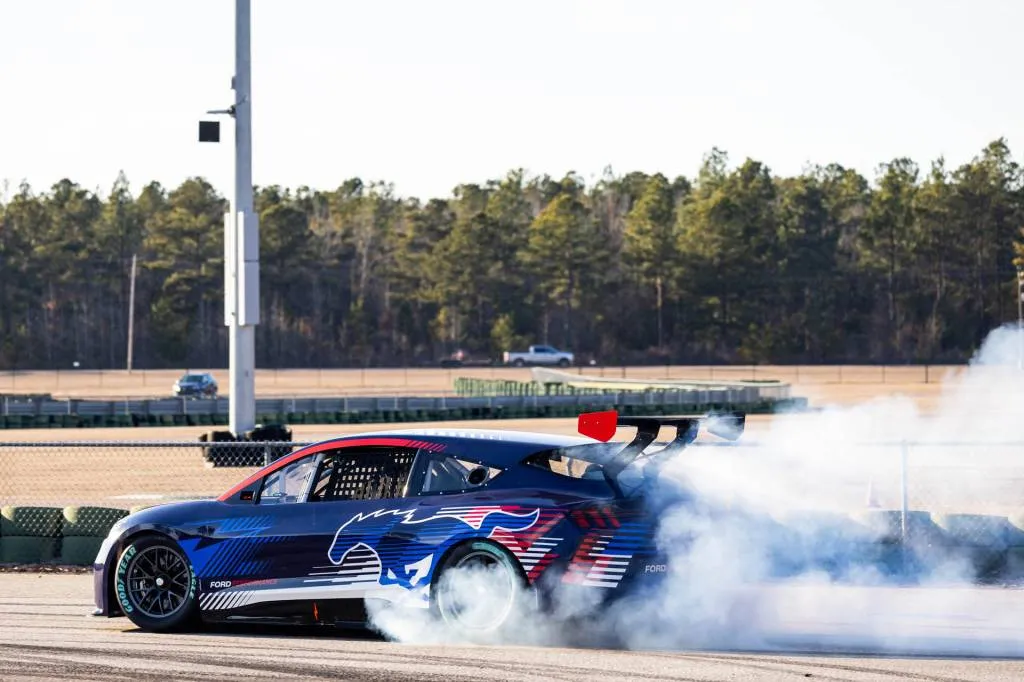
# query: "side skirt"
346,613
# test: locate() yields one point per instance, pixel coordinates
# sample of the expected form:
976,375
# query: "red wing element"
599,425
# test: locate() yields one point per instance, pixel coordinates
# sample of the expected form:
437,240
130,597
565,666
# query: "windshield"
192,378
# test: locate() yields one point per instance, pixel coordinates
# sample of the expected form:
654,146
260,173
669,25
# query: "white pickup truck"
539,355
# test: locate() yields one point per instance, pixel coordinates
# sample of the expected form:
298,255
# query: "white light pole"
241,237
242,305
131,316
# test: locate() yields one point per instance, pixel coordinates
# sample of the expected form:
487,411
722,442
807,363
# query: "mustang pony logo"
393,546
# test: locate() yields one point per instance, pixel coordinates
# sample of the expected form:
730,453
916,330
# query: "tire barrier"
982,541
828,541
51,535
83,531
29,535
1015,544
241,456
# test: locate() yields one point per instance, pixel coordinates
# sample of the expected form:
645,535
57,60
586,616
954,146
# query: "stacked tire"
29,535
83,530
219,456
254,455
271,433
1015,548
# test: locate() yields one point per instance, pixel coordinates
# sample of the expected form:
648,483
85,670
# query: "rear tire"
478,588
155,585
519,362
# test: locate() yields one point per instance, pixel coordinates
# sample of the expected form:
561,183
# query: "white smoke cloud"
794,542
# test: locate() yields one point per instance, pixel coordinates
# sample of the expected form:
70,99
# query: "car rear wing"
603,425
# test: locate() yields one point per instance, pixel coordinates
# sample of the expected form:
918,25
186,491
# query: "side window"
362,474
450,474
285,485
571,467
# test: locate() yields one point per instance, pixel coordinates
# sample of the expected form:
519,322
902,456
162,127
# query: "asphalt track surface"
47,634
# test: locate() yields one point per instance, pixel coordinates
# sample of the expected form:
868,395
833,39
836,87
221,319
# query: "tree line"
733,265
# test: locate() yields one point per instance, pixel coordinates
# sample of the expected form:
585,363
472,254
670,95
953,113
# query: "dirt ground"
922,634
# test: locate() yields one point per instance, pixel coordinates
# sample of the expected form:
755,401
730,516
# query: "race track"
45,633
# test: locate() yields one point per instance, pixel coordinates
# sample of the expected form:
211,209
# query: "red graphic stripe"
610,515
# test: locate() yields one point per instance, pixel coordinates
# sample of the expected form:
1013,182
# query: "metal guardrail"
210,406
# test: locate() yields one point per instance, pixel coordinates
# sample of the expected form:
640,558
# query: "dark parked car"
385,515
196,385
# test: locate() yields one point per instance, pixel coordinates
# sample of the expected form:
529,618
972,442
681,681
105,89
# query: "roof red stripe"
313,449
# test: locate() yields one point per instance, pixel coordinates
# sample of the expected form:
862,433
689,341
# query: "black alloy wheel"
155,584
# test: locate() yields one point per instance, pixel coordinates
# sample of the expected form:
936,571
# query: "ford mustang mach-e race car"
315,535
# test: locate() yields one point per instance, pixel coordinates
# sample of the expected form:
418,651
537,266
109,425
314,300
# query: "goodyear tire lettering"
122,589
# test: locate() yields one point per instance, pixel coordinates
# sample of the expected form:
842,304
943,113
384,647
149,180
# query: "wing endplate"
602,426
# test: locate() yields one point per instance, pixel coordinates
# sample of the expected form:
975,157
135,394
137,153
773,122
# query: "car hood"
167,515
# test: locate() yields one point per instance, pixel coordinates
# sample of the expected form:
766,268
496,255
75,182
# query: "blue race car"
313,536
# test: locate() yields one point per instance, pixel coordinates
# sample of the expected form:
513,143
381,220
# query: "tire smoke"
796,541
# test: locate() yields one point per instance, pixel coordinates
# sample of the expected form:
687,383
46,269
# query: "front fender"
106,561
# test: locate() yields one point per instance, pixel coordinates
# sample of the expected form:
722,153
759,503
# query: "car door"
358,495
258,552
545,355
390,547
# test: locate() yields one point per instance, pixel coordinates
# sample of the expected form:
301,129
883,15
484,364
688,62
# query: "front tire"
479,588
155,585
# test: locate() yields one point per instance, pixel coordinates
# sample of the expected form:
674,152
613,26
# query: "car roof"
497,446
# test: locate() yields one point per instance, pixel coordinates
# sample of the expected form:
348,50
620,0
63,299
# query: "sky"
428,95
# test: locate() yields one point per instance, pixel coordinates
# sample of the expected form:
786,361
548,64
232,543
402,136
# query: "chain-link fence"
982,478
124,473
